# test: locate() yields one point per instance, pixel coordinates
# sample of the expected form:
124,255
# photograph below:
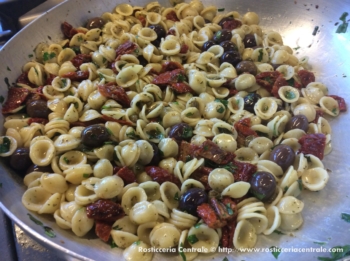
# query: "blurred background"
15,14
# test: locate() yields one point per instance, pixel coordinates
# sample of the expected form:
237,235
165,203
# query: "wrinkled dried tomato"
170,66
319,113
211,151
127,175
105,210
115,92
80,59
103,230
267,79
231,24
184,48
280,81
228,232
306,77
341,102
15,98
125,48
313,144
160,175
174,76
208,214
181,87
77,76
243,171
23,79
172,16
68,30
37,120
243,130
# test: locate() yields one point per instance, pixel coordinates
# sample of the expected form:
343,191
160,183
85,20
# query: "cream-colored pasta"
143,212
132,196
219,179
168,191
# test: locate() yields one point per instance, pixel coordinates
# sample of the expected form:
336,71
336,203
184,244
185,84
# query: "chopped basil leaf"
48,56
85,175
198,225
285,189
181,77
278,232
224,102
230,167
49,232
181,252
80,39
176,197
109,131
308,158
101,76
106,107
345,217
37,222
342,28
113,244
109,143
5,146
265,108
30,55
221,9
334,110
229,209
337,253
289,95
155,134
116,228
319,243
276,251
137,242
36,71
2,99
192,239
63,83
225,259
8,69
189,114
296,48
132,135
220,109
300,183
262,134
343,17
315,30
187,132
261,55
76,105
224,130
66,160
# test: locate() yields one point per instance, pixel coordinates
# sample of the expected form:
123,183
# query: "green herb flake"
37,222
66,160
220,109
342,28
80,38
192,239
109,143
335,111
36,71
345,217
181,252
116,228
308,158
49,232
181,77
225,259
224,102
289,95
106,107
275,251
285,189
101,76
155,134
109,131
187,132
132,135
229,209
224,130
30,56
296,48
5,146
85,175
221,9
8,69
189,114
2,99
63,83
315,30
261,55
198,225
278,232
300,184
113,244
343,17
76,105
265,108
319,243
137,242
176,196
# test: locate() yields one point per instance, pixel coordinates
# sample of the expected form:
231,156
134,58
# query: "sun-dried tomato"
23,79
211,151
68,30
50,78
160,175
201,174
172,16
105,210
142,19
313,144
37,120
208,214
243,130
77,76
280,81
171,32
122,122
125,48
184,48
228,232
306,77
319,113
170,66
231,24
103,230
181,87
243,171
115,92
187,151
116,169
127,175
15,98
80,59
341,102
174,76
267,79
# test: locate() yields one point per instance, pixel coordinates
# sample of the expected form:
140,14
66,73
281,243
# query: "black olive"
38,109
191,199
20,159
142,60
94,136
263,185
156,155
250,100
39,169
249,41
246,67
160,31
95,22
297,122
228,46
232,57
181,131
222,35
207,45
283,155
